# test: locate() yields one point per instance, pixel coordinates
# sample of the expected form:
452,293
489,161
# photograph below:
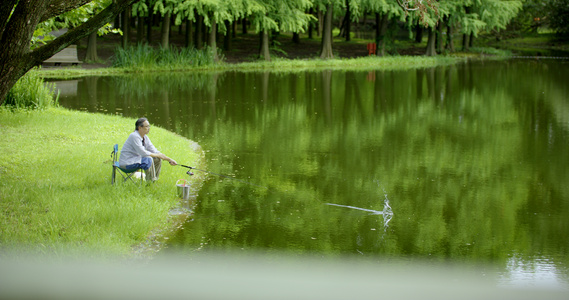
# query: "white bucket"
183,189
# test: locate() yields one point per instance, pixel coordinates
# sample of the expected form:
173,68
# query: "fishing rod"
220,175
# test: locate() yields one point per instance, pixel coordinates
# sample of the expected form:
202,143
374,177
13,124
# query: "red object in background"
371,48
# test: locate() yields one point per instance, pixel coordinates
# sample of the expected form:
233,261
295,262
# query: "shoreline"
369,63
177,216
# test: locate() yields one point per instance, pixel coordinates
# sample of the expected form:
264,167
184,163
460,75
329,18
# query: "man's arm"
155,153
164,157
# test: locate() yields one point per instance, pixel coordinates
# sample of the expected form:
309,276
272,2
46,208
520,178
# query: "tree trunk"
431,43
12,64
227,38
326,51
320,23
471,40
17,59
244,23
213,39
189,36
418,33
165,42
347,21
465,43
139,29
296,37
439,38
377,26
450,40
92,47
199,32
265,53
124,28
149,29
128,23
381,30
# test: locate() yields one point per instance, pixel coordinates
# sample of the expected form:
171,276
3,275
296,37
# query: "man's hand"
164,157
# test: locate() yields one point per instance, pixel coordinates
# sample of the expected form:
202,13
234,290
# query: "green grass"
279,65
360,63
491,51
55,192
144,57
546,44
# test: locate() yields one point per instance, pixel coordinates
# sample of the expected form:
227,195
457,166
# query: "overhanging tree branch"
57,7
405,5
102,18
16,58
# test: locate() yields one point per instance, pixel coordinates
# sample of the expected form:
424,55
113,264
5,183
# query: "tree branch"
96,22
52,9
405,6
57,7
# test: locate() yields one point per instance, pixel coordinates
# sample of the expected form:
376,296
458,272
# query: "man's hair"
139,122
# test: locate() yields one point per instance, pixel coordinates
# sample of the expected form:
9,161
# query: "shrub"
559,17
144,56
31,92
491,51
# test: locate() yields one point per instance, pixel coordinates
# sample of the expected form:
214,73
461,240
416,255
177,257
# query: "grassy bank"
55,192
144,59
360,63
543,44
276,65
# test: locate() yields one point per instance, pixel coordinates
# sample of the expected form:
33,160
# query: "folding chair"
125,173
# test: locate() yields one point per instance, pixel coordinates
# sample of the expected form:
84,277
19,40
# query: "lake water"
462,164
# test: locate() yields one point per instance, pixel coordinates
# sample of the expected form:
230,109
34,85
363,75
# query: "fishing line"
221,175
387,212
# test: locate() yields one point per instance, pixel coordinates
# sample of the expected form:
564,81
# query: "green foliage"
531,17
31,92
211,10
275,48
145,57
140,9
491,51
43,33
559,16
539,15
498,13
289,16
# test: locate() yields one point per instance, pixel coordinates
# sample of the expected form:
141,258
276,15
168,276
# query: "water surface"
465,164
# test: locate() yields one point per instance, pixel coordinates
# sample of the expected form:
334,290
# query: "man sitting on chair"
139,153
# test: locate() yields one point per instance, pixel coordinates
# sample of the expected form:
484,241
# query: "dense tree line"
25,25
536,14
